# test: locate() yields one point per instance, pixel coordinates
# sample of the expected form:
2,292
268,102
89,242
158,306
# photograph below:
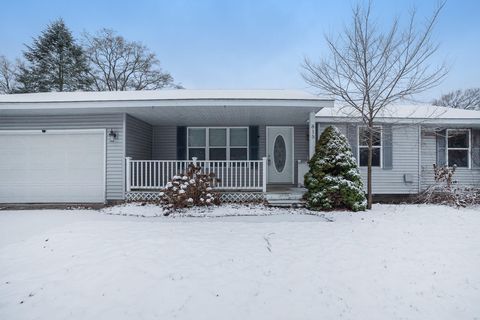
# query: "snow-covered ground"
394,262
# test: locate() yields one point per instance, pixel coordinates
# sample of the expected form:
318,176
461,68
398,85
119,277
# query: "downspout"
419,158
311,134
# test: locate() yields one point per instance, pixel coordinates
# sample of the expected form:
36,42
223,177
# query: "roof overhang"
224,111
404,114
405,121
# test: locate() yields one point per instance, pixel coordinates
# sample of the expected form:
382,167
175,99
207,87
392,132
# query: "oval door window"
279,153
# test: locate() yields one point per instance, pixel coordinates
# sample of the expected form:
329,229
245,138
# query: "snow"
394,262
183,94
399,111
227,210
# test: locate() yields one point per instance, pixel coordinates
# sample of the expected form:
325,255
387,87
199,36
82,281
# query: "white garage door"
55,166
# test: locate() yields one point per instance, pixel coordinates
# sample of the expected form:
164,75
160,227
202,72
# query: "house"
81,147
95,147
410,140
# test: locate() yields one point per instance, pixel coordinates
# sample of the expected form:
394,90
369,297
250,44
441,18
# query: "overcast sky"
243,44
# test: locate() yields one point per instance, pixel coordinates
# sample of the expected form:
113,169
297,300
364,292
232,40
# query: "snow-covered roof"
412,112
181,107
153,95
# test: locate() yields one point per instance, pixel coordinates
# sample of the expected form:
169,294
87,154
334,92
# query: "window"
363,146
458,147
218,143
238,144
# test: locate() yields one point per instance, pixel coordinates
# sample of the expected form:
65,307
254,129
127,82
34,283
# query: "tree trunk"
369,168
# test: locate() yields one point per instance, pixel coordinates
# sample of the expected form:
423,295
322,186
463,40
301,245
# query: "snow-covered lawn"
395,262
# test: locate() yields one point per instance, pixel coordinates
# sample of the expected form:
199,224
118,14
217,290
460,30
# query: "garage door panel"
56,166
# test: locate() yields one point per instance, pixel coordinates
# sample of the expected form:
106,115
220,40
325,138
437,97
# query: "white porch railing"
229,174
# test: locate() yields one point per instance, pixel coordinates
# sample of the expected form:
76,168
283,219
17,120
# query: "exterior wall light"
112,135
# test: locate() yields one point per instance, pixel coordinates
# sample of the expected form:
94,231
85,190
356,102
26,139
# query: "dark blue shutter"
181,143
441,146
475,148
253,142
387,146
352,138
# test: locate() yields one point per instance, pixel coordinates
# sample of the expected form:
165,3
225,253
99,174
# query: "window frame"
469,149
227,146
366,146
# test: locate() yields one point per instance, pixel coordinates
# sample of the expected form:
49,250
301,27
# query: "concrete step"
286,203
292,197
283,196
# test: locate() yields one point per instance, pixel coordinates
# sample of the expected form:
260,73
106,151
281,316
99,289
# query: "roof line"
169,99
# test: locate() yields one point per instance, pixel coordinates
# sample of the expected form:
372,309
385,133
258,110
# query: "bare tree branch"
8,75
120,65
370,68
468,99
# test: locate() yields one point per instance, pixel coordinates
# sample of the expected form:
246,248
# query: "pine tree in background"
333,181
54,62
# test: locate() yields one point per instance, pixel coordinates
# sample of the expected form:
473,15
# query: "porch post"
128,173
264,181
311,134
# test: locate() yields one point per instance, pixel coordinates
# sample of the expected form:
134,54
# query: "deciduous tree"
461,99
118,64
371,67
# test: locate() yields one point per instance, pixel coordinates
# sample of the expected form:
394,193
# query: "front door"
280,154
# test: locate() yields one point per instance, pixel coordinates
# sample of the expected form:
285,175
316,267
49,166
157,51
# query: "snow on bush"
333,180
192,188
446,191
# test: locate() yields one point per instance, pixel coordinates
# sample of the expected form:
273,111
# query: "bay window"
218,143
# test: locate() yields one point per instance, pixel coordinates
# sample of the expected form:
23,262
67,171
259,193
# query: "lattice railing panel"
230,197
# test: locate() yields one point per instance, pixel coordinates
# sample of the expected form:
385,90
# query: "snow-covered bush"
192,188
333,180
446,191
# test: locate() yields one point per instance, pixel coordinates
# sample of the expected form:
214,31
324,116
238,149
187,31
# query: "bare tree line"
461,99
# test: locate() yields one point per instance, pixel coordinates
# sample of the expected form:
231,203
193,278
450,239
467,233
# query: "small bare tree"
8,74
461,99
120,65
372,67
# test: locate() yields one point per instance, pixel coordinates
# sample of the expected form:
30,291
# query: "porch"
237,181
153,175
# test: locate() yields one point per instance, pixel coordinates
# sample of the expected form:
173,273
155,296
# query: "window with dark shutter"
363,138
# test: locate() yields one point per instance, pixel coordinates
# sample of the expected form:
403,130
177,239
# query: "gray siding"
405,140
464,176
300,152
138,139
115,150
164,143
262,147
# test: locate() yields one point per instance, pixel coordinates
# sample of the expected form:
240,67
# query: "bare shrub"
446,191
192,188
